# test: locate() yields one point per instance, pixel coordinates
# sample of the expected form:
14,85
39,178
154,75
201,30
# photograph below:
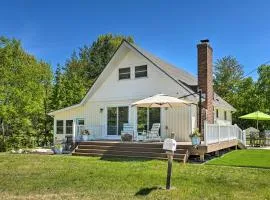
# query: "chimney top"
205,41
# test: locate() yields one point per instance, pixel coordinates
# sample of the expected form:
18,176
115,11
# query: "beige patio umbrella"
160,101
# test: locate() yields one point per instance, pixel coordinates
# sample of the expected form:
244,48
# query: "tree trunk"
3,129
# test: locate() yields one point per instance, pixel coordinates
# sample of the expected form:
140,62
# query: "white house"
134,74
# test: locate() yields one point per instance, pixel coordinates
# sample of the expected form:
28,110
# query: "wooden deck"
152,150
106,149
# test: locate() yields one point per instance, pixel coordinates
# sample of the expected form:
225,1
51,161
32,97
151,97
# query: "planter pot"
84,137
195,140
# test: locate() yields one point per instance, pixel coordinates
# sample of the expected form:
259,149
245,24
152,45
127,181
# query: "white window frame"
124,73
69,127
139,71
63,127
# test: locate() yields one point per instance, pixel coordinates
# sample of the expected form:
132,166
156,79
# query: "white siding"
179,121
136,88
114,92
221,117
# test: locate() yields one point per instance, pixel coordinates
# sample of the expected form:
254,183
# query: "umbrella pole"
257,124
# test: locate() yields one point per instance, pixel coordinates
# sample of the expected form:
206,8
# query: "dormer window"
124,73
141,71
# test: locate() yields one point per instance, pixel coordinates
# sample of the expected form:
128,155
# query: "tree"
263,87
245,94
80,71
25,84
263,91
227,76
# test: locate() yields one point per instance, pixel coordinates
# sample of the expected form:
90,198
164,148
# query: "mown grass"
68,177
244,158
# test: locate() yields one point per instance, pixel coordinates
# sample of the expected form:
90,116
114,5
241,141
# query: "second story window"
216,113
225,115
124,73
141,71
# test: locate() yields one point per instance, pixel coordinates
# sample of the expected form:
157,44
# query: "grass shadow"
146,191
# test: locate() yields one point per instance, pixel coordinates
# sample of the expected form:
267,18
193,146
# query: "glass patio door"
116,117
146,117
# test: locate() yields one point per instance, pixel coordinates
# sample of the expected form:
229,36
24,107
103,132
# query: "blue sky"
51,30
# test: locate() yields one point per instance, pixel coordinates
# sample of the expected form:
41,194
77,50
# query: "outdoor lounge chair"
127,129
153,134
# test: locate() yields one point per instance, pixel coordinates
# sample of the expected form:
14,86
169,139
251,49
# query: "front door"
116,117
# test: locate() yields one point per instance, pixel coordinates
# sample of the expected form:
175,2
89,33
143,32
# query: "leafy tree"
227,77
80,71
263,91
245,94
263,87
25,85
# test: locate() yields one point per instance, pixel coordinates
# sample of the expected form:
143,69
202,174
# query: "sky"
52,30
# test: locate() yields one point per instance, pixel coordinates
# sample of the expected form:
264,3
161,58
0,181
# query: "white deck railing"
215,133
95,132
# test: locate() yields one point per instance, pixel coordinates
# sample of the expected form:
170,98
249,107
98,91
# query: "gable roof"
180,76
183,77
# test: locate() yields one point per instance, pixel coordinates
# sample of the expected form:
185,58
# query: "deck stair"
125,149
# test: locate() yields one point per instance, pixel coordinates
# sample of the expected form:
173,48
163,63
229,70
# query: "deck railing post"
228,133
205,132
74,132
219,133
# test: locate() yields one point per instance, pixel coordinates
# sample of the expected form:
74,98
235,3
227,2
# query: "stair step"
122,148
127,149
104,152
120,155
130,144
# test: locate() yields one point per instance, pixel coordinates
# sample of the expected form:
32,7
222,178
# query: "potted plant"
85,133
58,149
195,137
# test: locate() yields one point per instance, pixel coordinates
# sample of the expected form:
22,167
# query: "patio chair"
141,136
127,129
262,138
153,134
267,136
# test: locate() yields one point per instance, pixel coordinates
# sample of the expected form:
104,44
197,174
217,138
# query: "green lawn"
68,177
244,158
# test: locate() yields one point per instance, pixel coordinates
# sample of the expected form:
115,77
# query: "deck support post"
217,153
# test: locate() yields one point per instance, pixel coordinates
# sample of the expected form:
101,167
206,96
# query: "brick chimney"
205,77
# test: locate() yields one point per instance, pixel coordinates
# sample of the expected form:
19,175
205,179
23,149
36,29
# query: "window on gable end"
124,73
141,71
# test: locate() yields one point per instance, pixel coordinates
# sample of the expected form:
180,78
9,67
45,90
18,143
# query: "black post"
169,170
200,111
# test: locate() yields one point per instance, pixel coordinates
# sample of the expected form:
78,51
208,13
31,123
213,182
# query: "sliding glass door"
112,120
146,117
116,117
154,116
